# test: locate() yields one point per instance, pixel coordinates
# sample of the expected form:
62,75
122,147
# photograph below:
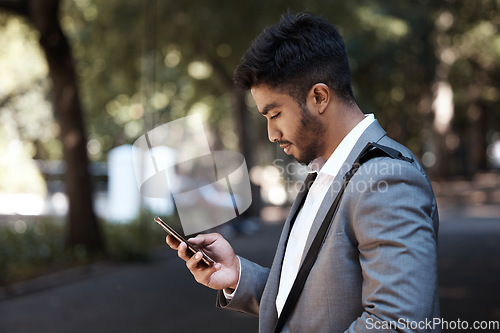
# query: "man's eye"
276,115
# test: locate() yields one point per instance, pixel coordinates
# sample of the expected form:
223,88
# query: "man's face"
293,126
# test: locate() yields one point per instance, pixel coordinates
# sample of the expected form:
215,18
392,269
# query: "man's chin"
303,160
305,156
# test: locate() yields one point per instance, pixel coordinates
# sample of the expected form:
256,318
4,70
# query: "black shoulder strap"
370,151
379,150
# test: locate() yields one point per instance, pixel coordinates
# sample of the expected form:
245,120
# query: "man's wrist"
229,292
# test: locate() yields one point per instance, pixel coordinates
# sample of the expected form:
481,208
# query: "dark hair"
293,55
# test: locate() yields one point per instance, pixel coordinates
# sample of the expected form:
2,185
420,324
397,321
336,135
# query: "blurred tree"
83,229
394,47
143,63
467,44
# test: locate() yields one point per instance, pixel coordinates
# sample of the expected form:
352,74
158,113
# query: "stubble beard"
309,138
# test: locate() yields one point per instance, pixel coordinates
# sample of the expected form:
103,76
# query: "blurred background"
81,80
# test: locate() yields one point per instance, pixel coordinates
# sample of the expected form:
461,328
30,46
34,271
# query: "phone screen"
193,249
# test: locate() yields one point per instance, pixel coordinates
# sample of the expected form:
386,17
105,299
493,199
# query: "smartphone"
193,249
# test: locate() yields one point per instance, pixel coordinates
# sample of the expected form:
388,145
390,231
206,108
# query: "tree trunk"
247,145
245,130
83,229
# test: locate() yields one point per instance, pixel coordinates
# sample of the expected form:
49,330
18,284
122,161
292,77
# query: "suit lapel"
373,133
268,312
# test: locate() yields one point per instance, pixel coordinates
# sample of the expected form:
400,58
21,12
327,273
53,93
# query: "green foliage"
143,63
28,248
32,247
24,128
133,241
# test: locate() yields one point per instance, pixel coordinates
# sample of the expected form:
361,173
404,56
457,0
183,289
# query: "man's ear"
319,97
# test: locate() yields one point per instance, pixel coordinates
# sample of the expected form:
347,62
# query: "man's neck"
338,124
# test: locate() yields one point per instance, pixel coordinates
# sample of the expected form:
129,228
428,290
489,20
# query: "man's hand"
223,274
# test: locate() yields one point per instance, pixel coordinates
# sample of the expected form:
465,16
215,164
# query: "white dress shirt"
302,226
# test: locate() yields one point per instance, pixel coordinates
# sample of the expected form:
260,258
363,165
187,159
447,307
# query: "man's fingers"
172,242
204,239
201,272
193,262
183,252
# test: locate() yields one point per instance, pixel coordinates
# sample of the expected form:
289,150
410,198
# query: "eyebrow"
269,107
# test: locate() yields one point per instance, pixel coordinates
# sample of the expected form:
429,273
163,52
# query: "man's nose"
273,133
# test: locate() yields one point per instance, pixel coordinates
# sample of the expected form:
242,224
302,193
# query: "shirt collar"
316,165
335,161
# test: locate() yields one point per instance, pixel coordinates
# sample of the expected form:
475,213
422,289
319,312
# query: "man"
377,268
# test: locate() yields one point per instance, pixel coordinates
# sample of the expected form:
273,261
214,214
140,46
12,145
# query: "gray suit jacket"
377,268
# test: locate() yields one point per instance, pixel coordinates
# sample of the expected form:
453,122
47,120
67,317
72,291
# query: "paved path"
162,296
469,263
